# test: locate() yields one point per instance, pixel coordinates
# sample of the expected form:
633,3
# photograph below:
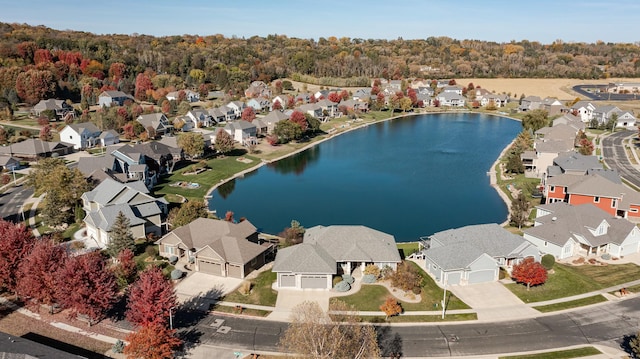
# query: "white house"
81,135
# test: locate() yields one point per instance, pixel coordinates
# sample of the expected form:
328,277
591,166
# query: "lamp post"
171,318
444,297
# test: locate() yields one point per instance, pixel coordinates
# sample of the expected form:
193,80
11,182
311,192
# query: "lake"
408,177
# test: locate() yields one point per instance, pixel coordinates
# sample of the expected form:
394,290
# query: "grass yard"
560,354
261,291
407,248
567,281
245,311
371,296
420,318
571,304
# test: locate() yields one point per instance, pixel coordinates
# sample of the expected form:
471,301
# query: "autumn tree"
37,273
276,105
313,333
535,120
519,210
192,143
406,277
187,213
125,269
35,85
87,287
154,341
224,143
248,114
529,272
300,119
16,241
287,131
586,147
45,133
334,97
121,236
150,299
391,307
143,84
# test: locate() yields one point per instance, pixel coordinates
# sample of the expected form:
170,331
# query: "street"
616,158
605,324
12,200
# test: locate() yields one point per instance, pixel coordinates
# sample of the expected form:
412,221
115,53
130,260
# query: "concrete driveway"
198,290
493,302
289,298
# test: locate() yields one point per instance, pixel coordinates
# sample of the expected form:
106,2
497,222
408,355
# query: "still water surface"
409,177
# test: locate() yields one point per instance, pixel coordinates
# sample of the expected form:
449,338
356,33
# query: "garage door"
287,280
453,278
308,281
209,267
234,271
482,276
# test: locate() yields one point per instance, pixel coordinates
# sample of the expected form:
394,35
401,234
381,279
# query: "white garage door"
482,276
453,278
287,280
315,282
234,271
209,267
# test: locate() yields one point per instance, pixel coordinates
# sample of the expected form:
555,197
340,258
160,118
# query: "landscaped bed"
567,280
261,291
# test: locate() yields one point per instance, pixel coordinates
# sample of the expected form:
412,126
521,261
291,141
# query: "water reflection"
296,164
225,189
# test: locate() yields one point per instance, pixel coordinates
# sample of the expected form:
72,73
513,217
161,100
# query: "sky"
490,20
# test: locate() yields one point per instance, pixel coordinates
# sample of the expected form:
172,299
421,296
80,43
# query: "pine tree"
150,299
519,210
121,236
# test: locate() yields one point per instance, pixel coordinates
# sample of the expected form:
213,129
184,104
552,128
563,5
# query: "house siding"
550,248
604,203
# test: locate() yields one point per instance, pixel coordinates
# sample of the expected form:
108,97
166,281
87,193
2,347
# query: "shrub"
342,286
348,278
416,290
369,278
606,256
118,347
336,280
173,260
386,272
406,277
151,251
547,261
176,274
373,270
245,288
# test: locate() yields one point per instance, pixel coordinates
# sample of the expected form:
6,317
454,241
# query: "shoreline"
492,172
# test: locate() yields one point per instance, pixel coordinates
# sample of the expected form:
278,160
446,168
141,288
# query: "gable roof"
84,126
566,221
33,147
354,243
105,217
454,256
112,192
304,258
574,161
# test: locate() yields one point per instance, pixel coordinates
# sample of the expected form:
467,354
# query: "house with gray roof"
81,135
573,163
113,97
272,119
33,149
530,103
451,99
103,203
60,108
584,110
474,254
217,247
156,121
333,250
242,131
564,231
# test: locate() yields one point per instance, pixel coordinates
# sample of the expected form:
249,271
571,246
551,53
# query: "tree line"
38,62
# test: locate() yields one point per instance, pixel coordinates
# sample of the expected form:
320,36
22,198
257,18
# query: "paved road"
12,200
589,91
616,157
603,324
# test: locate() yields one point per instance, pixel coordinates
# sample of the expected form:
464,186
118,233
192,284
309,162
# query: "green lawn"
406,249
370,297
572,280
571,304
261,291
245,311
420,318
560,354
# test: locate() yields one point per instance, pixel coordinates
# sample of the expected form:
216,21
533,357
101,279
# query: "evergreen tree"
519,210
121,236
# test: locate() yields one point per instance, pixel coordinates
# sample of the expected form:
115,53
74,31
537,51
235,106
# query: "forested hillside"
38,62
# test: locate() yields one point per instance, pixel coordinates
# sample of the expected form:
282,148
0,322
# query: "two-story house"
81,135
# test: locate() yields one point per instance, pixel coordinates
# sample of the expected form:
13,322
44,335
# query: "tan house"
217,247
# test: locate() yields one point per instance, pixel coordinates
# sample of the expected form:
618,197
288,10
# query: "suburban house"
183,123
564,231
201,118
81,135
9,163
553,106
498,100
281,99
99,168
217,115
217,247
599,188
111,98
156,121
60,108
362,94
354,105
108,138
550,142
259,104
242,131
257,89
450,99
453,89
110,197
158,156
603,114
333,250
272,119
624,87
312,109
570,120
584,110
573,163
474,254
237,107
329,108
34,149
530,103
189,95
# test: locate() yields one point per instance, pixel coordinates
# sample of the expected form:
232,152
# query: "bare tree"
316,334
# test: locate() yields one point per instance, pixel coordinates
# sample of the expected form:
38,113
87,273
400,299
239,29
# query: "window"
169,249
634,210
596,199
564,190
614,203
552,189
545,243
254,261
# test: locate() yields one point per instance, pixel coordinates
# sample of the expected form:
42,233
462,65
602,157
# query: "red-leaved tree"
276,105
299,118
529,272
37,273
87,287
143,83
153,341
125,269
150,299
334,97
16,241
248,114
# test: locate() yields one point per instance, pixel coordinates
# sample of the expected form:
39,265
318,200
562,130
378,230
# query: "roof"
33,147
112,192
154,120
228,240
15,347
565,222
87,165
354,243
50,104
574,161
105,217
558,132
554,146
113,93
454,256
84,126
240,125
304,258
